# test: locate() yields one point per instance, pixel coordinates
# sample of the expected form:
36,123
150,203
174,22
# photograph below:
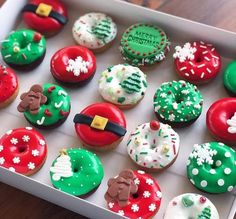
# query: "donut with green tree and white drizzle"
178,103
153,146
45,106
123,85
211,167
94,31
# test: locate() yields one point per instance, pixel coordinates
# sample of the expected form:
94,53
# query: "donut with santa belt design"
100,126
133,194
23,150
197,62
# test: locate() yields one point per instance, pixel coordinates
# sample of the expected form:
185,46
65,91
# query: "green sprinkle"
109,79
136,158
166,136
146,136
128,142
144,83
143,153
161,166
121,99
159,133
136,133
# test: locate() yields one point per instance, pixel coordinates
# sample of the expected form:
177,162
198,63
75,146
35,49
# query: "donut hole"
179,99
48,102
23,44
135,196
22,149
75,170
198,59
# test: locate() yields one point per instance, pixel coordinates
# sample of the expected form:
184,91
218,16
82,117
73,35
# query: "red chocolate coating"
205,56
8,83
45,25
60,59
216,119
99,138
18,150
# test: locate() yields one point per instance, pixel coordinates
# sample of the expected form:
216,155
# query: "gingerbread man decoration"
121,188
32,100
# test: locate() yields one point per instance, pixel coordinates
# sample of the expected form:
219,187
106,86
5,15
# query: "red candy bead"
202,199
154,125
37,37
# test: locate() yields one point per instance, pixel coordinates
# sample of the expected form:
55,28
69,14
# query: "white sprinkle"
187,74
227,154
203,183
200,66
4,41
212,171
208,70
24,34
28,47
191,63
192,71
183,68
216,57
213,49
227,171
204,47
202,75
202,42
206,58
230,188
195,171
204,52
215,65
220,182
7,56
218,163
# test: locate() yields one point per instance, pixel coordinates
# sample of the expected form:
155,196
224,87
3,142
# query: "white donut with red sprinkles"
197,62
22,150
133,194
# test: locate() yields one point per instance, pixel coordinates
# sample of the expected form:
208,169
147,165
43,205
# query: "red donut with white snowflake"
133,194
197,62
73,65
23,150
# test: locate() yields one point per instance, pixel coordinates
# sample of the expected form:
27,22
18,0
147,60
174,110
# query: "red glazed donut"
197,62
221,120
100,126
45,16
8,86
139,198
22,150
74,65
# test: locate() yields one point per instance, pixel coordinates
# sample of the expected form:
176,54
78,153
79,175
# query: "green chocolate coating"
53,98
87,173
230,77
178,101
211,167
19,47
144,44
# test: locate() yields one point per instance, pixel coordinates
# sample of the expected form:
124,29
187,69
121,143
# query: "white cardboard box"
172,181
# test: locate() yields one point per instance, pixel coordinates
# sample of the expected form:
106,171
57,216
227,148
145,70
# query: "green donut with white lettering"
76,171
211,167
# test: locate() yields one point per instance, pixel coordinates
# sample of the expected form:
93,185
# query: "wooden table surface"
15,204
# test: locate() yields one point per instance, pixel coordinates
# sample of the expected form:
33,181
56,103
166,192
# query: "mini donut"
23,150
153,146
45,16
178,103
230,78
46,106
74,65
144,45
9,86
191,205
197,62
221,120
95,31
123,85
77,172
100,126
133,194
211,167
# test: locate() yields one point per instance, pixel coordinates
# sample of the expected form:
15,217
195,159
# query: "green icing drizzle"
132,84
19,47
87,173
206,214
121,99
58,104
230,77
102,30
212,167
178,101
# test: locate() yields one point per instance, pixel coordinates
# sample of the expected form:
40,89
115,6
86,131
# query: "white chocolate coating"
153,149
190,205
83,30
111,89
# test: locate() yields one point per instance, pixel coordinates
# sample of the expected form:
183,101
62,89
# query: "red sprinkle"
202,199
47,112
50,89
64,113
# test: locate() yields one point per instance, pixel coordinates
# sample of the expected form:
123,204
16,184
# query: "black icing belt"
110,126
53,14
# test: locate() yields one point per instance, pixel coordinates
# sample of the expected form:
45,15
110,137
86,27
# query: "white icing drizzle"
41,121
62,92
61,168
58,105
232,124
77,66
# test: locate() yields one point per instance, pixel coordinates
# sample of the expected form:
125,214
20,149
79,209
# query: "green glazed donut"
211,167
178,102
230,78
46,106
23,49
76,171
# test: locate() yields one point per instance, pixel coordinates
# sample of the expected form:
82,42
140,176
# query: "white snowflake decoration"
1,148
14,141
159,194
31,165
121,212
2,160
203,153
9,132
141,172
12,169
26,138
149,181
171,117
136,181
152,207
111,204
42,142
77,66
16,160
135,208
160,56
185,92
188,103
184,53
35,153
146,194
163,95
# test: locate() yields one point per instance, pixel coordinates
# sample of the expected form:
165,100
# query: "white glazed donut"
153,145
190,205
123,85
94,30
